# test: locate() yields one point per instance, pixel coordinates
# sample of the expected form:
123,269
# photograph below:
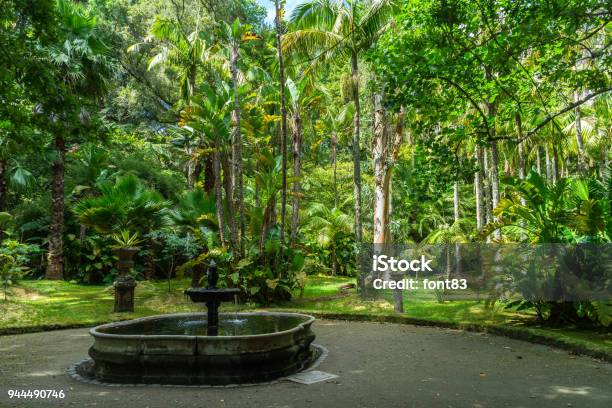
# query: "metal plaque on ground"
311,377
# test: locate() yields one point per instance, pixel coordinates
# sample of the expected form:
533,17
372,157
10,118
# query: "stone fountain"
202,349
213,297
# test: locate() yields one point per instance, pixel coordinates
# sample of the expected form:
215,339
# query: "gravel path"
379,365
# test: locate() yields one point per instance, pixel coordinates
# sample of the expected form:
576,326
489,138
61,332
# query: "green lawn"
40,304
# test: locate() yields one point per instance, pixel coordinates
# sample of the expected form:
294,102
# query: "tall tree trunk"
457,216
519,145
257,188
538,160
218,192
549,170
237,152
334,259
449,264
3,190
494,184
392,156
378,154
487,185
356,137
491,109
190,168
521,159
384,152
456,200
579,140
297,166
556,174
3,184
197,171
268,219
493,165
479,190
209,172
281,73
55,257
193,73
388,191
231,213
334,142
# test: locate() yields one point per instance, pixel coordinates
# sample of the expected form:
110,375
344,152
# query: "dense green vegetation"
199,130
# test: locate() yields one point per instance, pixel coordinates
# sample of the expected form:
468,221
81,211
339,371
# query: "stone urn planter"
124,284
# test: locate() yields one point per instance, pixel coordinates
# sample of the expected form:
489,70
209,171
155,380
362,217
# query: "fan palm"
196,212
125,205
80,66
336,30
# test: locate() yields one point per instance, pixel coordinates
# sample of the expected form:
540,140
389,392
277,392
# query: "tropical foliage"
207,131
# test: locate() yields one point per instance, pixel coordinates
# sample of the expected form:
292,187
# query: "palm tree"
299,100
80,66
232,35
335,30
187,52
268,178
283,104
125,205
336,120
195,211
591,126
209,114
448,235
327,225
385,150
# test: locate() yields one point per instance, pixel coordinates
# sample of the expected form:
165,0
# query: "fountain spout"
212,297
212,275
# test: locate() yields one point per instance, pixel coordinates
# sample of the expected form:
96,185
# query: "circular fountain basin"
174,349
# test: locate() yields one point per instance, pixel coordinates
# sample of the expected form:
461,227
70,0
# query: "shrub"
14,258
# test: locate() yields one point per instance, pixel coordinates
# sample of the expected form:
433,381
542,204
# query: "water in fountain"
196,326
236,322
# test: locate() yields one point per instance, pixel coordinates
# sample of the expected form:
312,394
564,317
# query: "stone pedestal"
124,284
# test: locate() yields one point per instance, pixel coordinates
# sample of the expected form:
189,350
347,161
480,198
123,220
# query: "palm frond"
375,18
312,45
314,13
168,31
